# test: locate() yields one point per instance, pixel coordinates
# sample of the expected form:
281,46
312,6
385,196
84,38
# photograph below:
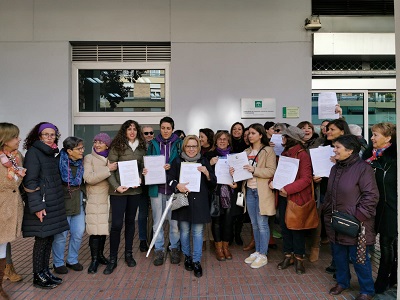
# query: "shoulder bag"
179,200
215,209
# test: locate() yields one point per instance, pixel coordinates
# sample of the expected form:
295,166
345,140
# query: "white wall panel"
16,20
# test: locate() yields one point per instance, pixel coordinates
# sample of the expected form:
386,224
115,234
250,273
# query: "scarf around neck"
376,153
11,160
190,159
134,145
223,152
66,172
102,153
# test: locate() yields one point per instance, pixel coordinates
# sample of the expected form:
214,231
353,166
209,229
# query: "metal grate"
383,65
353,7
130,52
337,65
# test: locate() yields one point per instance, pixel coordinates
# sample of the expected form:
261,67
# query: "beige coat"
264,171
11,207
97,202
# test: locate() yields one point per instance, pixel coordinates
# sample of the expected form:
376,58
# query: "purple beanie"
103,137
47,125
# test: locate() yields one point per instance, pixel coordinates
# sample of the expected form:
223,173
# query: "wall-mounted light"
313,23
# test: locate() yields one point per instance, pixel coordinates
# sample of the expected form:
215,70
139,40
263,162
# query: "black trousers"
221,227
387,272
123,207
41,253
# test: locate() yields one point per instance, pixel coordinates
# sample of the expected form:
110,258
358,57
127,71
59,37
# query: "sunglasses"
149,132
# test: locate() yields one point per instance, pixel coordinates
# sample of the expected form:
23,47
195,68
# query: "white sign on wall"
255,108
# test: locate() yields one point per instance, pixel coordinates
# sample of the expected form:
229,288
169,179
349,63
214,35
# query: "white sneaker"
259,262
251,258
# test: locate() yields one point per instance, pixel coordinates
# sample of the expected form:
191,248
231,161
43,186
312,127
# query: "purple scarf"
102,153
223,152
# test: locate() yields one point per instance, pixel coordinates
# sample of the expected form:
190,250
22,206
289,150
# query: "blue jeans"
158,207
258,221
197,233
142,218
341,254
76,229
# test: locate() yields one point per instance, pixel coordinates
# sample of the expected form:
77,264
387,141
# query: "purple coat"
352,189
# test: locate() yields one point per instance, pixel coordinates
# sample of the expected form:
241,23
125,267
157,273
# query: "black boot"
111,266
188,263
55,279
198,271
143,246
130,261
101,258
94,251
40,280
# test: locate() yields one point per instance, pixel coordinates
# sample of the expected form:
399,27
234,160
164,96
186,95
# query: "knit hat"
103,137
295,133
47,125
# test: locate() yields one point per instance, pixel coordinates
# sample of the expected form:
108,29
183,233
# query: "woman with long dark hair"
128,144
45,214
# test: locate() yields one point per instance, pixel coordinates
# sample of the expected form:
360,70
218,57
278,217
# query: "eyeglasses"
277,130
191,147
80,149
148,133
47,135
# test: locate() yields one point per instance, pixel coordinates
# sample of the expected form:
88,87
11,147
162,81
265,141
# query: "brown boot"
219,253
11,274
314,254
298,264
251,245
225,249
3,294
286,262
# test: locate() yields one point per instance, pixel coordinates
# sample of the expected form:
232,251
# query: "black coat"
385,167
44,191
198,211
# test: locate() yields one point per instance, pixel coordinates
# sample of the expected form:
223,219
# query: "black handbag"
215,209
345,224
179,200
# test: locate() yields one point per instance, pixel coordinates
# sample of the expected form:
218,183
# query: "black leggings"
221,226
41,253
124,205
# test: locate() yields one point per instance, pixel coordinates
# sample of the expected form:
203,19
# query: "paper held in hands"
155,169
285,172
189,174
321,160
222,171
238,161
129,173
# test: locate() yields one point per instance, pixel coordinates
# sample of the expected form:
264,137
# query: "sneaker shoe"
60,270
251,258
175,256
259,262
75,267
158,258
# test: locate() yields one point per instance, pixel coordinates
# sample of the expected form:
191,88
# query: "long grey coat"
97,202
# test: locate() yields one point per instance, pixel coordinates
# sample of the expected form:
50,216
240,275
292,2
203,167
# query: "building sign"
255,108
290,112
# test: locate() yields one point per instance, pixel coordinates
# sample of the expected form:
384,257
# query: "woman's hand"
182,187
317,179
231,170
233,185
41,214
271,185
213,160
249,168
333,159
145,171
112,166
204,170
122,189
283,192
338,110
167,167
271,144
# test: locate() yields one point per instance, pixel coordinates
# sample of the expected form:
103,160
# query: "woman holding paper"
221,226
193,217
260,200
300,190
382,157
128,145
97,169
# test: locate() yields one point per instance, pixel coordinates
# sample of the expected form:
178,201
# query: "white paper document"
326,105
129,173
321,160
285,172
222,171
190,174
277,140
155,169
238,161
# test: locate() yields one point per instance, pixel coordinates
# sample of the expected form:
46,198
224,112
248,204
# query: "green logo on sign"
258,103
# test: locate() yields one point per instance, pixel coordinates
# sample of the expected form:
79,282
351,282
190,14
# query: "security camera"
312,24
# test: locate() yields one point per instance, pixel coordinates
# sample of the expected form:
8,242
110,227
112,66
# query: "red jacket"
300,191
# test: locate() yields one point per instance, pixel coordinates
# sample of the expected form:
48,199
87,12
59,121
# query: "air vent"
141,52
353,7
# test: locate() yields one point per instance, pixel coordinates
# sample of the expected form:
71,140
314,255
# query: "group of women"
65,192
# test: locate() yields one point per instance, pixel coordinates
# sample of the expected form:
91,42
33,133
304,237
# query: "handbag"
215,209
345,224
179,200
240,199
299,217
